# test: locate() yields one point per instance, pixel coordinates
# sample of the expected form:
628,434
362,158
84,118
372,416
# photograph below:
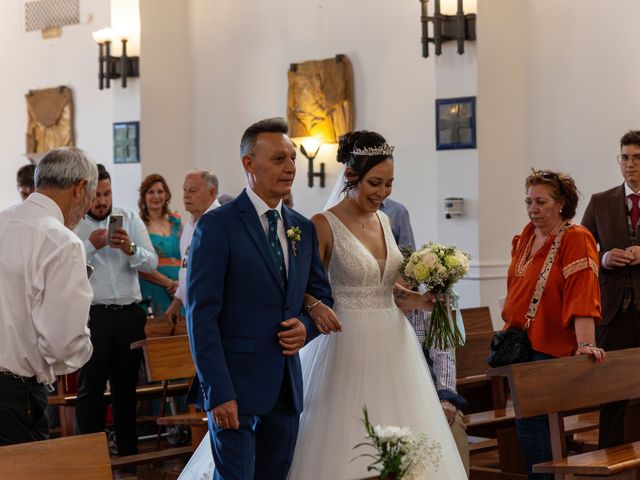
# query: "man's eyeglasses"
624,158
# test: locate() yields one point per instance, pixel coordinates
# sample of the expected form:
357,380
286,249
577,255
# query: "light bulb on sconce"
111,66
309,147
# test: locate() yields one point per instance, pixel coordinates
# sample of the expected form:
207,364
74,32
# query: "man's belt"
17,378
114,306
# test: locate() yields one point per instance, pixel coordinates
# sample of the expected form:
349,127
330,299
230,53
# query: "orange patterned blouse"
571,290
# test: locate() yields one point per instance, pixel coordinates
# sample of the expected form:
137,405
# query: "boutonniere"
293,234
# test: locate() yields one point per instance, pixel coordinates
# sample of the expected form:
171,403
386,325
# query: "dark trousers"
112,333
262,448
534,436
23,415
622,332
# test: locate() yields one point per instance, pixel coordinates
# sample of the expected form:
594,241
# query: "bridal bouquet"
438,268
400,455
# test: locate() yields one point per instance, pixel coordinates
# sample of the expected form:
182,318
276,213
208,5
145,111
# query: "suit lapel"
252,223
618,215
293,259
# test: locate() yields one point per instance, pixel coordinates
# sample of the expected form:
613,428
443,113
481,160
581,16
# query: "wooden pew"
169,358
567,385
81,457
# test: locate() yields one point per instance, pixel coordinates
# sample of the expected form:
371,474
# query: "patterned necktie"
635,210
274,243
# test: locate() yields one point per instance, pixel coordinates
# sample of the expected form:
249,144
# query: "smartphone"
115,223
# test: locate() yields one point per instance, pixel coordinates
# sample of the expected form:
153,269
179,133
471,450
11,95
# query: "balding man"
200,195
46,295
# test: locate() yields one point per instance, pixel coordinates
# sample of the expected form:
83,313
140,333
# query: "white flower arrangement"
400,454
438,267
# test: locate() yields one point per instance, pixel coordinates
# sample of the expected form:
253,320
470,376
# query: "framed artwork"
455,123
126,142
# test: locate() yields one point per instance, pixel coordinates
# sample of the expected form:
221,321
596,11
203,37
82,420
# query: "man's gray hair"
62,167
250,135
209,177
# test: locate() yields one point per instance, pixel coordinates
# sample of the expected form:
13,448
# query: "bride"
377,360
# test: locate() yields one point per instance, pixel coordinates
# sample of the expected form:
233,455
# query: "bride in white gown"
376,360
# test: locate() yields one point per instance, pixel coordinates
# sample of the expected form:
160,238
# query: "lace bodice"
354,273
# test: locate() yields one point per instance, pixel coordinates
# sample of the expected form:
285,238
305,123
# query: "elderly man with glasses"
612,217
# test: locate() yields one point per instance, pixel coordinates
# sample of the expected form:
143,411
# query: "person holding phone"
118,247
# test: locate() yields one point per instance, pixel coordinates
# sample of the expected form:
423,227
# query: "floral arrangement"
438,267
293,234
399,454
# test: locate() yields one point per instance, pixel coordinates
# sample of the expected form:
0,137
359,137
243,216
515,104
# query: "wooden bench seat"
151,457
601,463
143,392
80,457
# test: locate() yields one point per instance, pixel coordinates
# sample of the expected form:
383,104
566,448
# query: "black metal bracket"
111,67
311,174
446,28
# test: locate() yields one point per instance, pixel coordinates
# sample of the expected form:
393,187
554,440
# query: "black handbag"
508,347
512,345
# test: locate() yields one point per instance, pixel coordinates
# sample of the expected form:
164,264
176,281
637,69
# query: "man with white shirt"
45,294
116,319
200,195
613,217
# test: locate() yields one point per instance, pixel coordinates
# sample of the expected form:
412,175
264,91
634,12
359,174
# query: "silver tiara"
384,149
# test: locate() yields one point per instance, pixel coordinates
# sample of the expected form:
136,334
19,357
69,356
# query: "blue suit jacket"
236,300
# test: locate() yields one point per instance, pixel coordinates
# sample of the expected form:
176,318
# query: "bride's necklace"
353,217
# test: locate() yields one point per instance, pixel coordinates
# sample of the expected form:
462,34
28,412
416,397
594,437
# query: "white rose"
390,433
430,260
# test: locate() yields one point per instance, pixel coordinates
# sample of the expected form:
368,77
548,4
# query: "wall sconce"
111,66
310,146
458,27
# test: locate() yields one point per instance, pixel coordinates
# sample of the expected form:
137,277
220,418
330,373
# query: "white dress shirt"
45,294
185,243
115,279
262,208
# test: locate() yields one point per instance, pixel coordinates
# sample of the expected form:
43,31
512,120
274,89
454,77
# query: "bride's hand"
325,319
428,299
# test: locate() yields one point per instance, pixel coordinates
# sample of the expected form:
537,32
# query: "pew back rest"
167,358
80,457
471,359
477,319
571,383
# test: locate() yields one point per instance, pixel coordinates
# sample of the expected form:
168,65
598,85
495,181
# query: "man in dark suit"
251,262
612,217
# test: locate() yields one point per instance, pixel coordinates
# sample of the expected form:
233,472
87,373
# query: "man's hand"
294,337
635,251
450,411
226,415
617,257
120,240
98,238
325,319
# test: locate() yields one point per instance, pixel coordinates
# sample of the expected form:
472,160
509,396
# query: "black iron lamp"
310,146
458,27
111,67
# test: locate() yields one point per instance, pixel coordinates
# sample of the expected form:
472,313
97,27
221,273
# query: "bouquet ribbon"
452,302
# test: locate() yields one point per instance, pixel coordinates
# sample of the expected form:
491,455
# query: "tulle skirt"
376,361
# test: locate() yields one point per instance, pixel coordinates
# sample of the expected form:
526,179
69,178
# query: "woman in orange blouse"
569,307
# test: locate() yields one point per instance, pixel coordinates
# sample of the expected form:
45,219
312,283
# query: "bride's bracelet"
586,344
308,308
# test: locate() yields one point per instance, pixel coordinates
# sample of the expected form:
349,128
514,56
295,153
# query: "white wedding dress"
375,361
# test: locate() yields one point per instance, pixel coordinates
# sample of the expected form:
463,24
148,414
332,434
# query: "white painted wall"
33,63
241,52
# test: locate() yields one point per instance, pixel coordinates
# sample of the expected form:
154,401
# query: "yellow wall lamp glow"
112,67
309,147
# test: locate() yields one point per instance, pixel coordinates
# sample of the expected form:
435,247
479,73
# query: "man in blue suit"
251,262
